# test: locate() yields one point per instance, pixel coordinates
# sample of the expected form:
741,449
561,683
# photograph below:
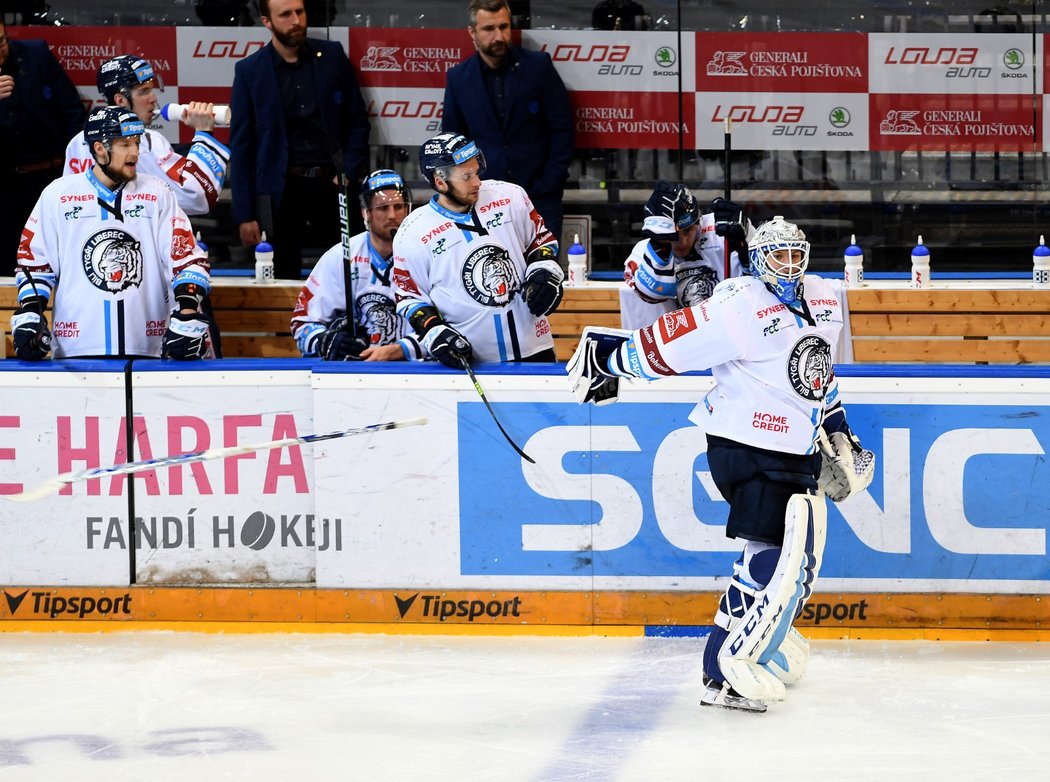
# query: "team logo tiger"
810,367
490,277
382,319
112,260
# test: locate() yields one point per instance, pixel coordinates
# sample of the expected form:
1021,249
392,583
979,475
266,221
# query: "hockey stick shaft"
727,142
348,261
481,393
58,482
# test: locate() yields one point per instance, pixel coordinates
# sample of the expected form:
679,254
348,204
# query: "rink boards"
617,524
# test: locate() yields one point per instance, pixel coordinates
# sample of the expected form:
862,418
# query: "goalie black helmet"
122,74
447,150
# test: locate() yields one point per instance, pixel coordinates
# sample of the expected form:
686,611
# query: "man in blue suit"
39,111
299,124
514,106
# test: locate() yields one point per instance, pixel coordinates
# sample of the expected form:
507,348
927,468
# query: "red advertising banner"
956,123
632,120
624,86
81,50
406,57
782,62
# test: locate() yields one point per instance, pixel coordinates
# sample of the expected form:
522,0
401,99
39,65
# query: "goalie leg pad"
745,655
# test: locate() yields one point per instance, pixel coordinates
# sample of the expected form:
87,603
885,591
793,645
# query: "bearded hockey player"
777,439
130,83
684,253
118,254
321,325
476,270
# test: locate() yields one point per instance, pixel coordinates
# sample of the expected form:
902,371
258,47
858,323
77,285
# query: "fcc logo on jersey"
809,367
489,276
112,260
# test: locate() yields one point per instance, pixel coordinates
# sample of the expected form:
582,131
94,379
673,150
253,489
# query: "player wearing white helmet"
114,247
777,437
321,325
131,83
476,270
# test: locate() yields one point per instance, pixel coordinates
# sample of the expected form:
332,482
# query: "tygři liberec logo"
489,276
809,367
112,260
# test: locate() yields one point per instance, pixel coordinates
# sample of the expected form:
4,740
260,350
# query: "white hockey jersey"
703,268
772,366
471,267
111,257
323,299
196,179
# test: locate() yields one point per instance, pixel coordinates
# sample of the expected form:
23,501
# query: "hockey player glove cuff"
542,290
186,338
448,346
30,335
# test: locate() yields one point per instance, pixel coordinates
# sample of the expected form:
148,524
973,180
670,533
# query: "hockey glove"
337,343
588,369
186,338
448,346
542,290
846,467
730,222
30,335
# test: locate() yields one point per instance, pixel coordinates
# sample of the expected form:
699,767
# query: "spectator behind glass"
39,110
299,123
513,104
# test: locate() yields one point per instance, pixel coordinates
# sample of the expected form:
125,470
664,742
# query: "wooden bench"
893,325
950,325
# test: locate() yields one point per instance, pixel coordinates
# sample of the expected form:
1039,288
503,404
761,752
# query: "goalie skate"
722,695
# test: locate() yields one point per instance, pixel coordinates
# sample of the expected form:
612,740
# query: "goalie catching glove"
589,375
846,467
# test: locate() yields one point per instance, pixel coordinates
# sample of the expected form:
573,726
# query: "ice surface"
188,706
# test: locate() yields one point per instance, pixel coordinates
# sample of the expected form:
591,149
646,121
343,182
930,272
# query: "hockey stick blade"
481,393
56,484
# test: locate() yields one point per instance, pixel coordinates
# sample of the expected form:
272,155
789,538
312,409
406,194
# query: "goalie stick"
59,481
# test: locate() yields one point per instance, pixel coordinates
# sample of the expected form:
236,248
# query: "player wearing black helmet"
322,324
130,83
476,268
116,251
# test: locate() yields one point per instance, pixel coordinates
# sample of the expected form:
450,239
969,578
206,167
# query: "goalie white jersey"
471,268
111,257
196,179
772,365
323,298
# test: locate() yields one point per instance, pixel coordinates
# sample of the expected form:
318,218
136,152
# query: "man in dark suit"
299,123
514,105
39,111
